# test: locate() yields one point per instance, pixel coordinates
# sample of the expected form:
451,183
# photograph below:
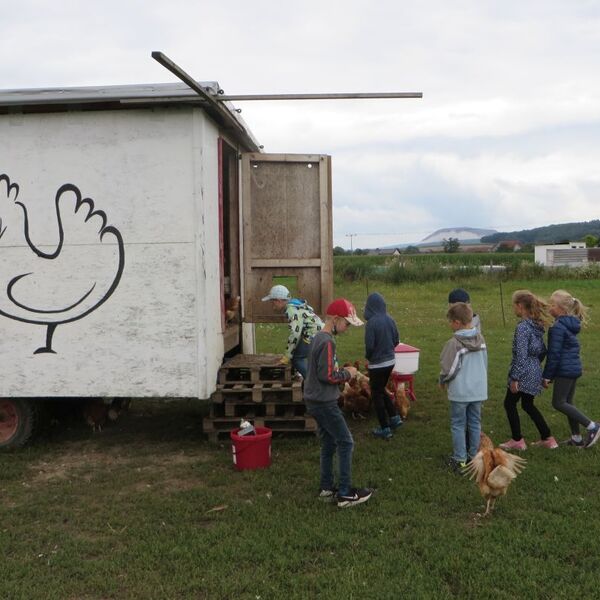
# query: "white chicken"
77,274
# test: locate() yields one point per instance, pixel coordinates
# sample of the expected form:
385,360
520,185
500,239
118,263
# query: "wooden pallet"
255,368
258,392
220,427
240,409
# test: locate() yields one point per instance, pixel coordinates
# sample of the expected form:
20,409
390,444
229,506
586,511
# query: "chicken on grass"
493,470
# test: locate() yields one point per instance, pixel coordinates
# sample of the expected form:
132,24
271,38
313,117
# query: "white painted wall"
154,174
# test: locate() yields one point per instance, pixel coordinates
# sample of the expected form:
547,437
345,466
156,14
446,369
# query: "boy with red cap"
321,391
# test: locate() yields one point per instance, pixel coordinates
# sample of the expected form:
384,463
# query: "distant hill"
460,233
550,234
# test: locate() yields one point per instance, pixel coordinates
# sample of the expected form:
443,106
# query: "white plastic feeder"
407,359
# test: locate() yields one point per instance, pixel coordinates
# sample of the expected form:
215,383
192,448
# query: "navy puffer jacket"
563,358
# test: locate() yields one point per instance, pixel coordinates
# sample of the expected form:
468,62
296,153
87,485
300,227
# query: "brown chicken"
356,395
398,395
232,308
493,470
95,413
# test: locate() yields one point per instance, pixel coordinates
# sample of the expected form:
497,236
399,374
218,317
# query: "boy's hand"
514,386
546,383
352,371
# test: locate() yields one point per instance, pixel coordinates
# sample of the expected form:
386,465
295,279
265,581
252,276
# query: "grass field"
148,509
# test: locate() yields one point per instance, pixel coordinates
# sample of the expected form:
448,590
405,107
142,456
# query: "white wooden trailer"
129,215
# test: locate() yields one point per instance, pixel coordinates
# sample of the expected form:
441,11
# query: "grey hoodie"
464,366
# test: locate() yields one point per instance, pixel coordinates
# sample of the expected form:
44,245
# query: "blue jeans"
300,358
465,416
335,435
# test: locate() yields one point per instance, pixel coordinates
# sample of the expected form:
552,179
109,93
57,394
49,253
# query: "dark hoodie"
563,349
381,333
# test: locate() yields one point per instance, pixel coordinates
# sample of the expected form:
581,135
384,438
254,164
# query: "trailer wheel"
18,419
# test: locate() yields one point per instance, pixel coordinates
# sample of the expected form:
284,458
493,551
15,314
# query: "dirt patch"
80,462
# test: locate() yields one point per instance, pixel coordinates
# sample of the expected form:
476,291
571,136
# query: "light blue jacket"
464,366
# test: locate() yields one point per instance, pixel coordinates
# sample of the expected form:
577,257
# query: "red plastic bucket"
251,451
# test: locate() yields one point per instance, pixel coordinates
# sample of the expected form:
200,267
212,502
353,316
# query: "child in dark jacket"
563,365
525,373
381,338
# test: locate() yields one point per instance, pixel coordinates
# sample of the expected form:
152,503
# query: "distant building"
476,248
508,246
385,252
573,254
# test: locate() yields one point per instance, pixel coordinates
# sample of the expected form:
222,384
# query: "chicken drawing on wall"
62,271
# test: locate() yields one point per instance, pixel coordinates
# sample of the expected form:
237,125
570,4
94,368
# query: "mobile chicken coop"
131,218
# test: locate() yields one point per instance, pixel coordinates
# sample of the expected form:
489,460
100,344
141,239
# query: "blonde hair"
536,307
570,304
461,312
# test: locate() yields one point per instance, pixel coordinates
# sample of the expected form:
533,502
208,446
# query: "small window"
290,282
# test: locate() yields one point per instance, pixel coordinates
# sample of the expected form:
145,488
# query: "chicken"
65,283
354,400
397,392
232,308
116,407
95,413
493,470
356,395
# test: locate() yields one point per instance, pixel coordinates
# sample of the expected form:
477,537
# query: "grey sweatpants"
562,401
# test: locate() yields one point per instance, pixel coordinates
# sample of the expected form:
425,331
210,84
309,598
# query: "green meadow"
149,509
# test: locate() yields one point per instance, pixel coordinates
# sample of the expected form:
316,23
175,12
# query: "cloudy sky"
507,135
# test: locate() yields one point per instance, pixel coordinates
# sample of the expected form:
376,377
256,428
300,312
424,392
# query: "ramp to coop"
255,368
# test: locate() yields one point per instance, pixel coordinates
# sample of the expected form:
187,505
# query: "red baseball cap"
342,308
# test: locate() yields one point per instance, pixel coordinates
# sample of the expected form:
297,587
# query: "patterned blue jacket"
528,352
563,349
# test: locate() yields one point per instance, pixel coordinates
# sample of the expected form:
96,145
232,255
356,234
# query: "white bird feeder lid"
407,359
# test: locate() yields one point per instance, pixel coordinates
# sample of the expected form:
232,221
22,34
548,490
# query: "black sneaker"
592,436
572,442
356,496
328,495
456,466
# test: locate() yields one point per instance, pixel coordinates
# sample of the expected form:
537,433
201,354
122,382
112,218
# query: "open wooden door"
229,242
287,230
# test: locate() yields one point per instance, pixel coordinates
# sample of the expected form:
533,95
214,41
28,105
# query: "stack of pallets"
261,390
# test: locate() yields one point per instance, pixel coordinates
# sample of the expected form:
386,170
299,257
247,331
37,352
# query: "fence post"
502,305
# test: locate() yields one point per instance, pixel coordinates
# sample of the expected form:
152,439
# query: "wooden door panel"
287,229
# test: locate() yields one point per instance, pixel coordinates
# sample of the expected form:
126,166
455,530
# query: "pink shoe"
549,443
515,444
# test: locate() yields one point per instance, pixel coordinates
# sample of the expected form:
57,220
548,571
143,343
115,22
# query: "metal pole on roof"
334,96
166,62
214,98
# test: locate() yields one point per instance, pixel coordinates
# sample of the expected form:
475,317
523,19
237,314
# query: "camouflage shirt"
303,324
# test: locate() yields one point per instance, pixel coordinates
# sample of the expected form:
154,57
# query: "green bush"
454,267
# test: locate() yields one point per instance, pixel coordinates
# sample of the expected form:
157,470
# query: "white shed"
573,254
131,217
